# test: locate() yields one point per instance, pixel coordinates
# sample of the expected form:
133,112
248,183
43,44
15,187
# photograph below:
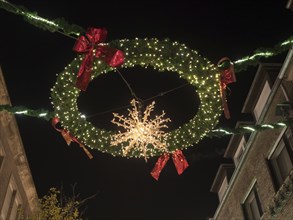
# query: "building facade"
17,191
259,182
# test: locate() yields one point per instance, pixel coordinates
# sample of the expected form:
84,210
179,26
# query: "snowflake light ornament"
141,131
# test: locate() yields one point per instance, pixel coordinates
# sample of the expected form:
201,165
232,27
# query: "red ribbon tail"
117,58
111,56
226,68
69,138
159,166
55,121
85,71
180,161
90,156
225,105
83,81
81,45
64,133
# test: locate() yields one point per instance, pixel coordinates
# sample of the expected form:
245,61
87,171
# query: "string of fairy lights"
143,137
56,25
196,70
73,31
218,132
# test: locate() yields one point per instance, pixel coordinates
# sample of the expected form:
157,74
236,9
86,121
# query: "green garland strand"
56,25
21,110
253,60
63,27
219,132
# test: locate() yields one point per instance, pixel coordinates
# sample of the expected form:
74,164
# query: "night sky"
30,59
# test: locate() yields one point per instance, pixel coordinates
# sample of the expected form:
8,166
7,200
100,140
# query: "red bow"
69,138
178,159
226,68
90,45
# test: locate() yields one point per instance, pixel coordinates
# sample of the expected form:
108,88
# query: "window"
240,150
15,208
221,181
2,154
281,161
12,201
262,100
252,206
223,188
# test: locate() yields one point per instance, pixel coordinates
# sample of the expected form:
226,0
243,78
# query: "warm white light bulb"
141,131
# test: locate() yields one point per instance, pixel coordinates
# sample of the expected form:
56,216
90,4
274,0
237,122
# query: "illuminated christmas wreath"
162,56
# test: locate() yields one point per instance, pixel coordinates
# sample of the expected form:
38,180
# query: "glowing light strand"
243,63
252,128
61,26
45,114
21,110
58,25
262,54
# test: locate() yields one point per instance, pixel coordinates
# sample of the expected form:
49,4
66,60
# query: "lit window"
252,206
262,100
281,160
240,150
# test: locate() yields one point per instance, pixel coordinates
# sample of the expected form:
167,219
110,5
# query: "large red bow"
69,138
226,68
91,46
178,159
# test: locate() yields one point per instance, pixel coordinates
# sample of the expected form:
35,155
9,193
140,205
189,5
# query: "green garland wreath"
162,56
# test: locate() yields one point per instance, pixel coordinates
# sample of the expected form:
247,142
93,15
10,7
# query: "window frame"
262,99
2,155
10,200
223,188
252,197
284,142
239,151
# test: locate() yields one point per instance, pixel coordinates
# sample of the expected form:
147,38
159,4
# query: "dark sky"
31,58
